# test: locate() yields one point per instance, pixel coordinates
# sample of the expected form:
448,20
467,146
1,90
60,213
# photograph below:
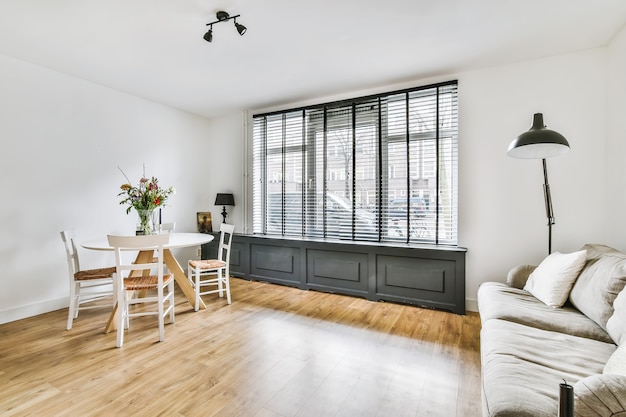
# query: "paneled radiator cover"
429,276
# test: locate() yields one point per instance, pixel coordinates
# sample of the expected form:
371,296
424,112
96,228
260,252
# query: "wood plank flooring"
275,352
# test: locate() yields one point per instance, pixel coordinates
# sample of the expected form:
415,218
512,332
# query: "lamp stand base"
548,202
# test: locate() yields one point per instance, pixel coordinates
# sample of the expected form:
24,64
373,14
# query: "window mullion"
407,142
437,170
283,145
353,185
325,172
303,179
264,177
379,167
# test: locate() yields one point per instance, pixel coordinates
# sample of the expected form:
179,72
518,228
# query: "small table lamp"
224,200
540,143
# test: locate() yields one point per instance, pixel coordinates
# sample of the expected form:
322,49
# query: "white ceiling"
294,50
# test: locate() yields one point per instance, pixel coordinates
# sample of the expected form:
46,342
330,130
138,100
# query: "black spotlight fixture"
209,35
240,28
222,16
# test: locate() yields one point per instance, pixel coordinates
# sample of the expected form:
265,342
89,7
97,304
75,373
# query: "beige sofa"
528,348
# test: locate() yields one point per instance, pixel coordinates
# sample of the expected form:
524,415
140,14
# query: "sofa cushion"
600,396
617,362
499,301
552,281
523,367
518,275
616,325
602,278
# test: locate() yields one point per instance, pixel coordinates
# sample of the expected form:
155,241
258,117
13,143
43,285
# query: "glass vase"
147,222
154,221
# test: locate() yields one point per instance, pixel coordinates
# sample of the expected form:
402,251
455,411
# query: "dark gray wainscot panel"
337,270
276,263
423,276
430,282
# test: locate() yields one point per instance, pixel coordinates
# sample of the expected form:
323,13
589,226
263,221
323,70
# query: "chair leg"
77,302
220,285
227,282
122,311
196,275
172,302
72,310
160,303
127,296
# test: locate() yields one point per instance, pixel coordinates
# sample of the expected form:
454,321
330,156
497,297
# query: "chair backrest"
226,238
122,244
73,264
168,227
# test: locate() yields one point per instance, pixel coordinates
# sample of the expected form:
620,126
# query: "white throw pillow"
617,362
616,326
552,281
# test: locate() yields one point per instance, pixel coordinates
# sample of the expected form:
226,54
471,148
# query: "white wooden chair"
133,277
213,272
168,227
86,286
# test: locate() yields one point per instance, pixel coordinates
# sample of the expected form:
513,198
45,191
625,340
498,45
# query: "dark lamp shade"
538,142
224,200
209,36
241,28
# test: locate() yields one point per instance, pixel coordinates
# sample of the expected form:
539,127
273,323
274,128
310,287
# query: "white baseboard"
471,304
22,312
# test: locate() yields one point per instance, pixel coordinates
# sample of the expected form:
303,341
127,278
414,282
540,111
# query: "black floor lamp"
540,143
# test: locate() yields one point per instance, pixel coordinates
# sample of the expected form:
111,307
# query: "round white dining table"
177,240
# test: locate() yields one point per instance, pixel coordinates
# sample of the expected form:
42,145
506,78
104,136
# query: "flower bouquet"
145,198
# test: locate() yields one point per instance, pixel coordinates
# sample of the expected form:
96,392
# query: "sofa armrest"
518,275
601,395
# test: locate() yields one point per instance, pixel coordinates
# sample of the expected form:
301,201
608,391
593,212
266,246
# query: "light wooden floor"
275,352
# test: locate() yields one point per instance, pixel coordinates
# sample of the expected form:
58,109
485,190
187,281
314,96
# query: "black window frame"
311,216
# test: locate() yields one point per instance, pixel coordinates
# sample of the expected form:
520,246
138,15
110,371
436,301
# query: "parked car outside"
338,217
398,207
401,210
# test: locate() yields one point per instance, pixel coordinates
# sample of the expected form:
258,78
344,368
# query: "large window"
377,168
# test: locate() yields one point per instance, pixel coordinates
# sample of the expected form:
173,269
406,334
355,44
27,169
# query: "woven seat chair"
136,284
87,286
213,273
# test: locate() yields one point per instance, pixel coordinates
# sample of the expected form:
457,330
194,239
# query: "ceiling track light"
222,16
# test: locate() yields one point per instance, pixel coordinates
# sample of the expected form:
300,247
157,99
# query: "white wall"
62,140
226,150
502,213
616,153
